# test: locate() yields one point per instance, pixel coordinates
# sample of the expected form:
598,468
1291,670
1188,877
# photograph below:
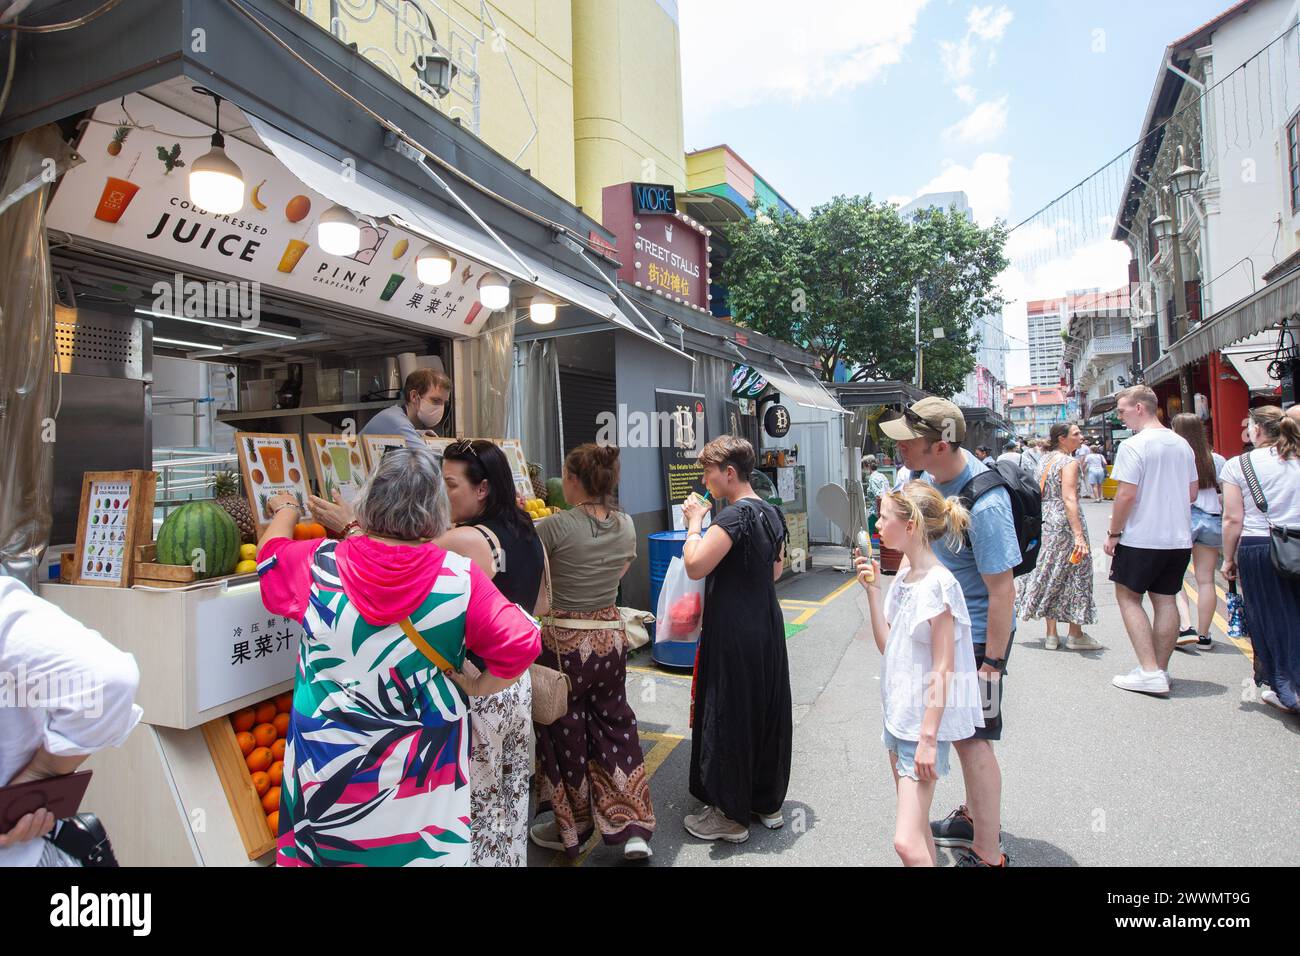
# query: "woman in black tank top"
494,533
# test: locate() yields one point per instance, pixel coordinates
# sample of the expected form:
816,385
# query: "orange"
281,724
271,800
265,712
259,759
261,782
317,530
264,734
276,773
284,701
273,821
246,743
243,720
277,749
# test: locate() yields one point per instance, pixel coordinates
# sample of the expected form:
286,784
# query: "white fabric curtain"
540,412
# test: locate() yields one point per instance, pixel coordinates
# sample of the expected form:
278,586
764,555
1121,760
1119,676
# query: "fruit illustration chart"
376,445
339,465
518,466
438,446
107,525
272,464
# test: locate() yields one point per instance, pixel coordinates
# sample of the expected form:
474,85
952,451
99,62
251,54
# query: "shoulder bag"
1284,543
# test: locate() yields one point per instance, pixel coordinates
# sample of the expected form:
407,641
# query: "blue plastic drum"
664,546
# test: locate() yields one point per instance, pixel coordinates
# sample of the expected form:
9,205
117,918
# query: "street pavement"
1092,775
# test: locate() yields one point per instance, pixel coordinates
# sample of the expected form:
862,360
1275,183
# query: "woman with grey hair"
376,770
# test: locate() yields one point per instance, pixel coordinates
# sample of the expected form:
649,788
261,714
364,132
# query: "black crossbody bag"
1284,543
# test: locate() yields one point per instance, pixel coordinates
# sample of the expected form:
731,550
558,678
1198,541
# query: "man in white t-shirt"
1150,535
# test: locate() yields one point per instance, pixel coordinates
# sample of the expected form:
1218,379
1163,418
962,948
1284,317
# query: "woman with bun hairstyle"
929,691
590,769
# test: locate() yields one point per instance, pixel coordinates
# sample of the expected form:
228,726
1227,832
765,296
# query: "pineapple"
119,137
229,498
535,476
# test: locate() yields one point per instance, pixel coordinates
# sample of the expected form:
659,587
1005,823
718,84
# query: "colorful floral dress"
1056,588
376,770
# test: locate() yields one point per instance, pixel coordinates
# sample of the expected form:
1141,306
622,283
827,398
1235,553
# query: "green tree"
841,281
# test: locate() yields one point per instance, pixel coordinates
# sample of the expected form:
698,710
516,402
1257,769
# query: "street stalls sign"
132,194
661,250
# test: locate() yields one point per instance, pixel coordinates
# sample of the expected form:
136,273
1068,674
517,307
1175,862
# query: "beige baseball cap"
934,418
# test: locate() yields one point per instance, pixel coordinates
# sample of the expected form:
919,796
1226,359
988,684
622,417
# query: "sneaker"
546,835
773,821
1270,697
1186,636
711,824
956,829
1204,642
1052,642
1143,682
637,849
974,859
1083,643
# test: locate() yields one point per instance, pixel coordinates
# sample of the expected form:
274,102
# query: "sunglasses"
463,445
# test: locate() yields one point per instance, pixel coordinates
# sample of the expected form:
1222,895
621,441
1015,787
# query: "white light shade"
433,265
1162,227
217,183
493,291
338,232
542,309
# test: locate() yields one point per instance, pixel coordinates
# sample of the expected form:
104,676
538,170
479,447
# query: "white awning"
1254,374
801,389
369,197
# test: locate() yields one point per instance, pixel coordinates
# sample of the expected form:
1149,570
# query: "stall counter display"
271,464
339,465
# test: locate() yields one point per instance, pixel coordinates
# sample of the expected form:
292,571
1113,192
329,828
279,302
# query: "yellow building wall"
707,168
627,97
535,37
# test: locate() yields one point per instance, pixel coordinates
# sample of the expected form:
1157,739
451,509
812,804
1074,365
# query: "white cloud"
985,123
988,23
986,182
965,93
899,200
827,48
956,59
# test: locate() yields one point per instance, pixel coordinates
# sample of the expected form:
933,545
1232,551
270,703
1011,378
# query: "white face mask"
430,419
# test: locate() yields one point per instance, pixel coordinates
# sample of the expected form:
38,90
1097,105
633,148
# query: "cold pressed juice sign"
133,193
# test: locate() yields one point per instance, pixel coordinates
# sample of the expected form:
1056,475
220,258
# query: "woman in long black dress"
742,723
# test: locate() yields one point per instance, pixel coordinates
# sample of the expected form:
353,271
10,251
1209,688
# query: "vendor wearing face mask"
425,395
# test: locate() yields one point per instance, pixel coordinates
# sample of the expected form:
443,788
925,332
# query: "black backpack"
1026,507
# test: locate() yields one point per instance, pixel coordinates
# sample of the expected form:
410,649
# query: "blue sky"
1013,102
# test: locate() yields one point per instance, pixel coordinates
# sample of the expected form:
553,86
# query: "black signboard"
681,434
649,199
776,421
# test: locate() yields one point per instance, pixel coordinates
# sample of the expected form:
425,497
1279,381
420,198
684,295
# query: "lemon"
247,552
245,567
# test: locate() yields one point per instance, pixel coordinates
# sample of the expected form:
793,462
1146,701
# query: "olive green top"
587,556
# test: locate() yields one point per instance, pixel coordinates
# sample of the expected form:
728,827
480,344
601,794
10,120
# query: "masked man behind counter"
424,401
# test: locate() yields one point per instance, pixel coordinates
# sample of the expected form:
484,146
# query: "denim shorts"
1207,528
905,751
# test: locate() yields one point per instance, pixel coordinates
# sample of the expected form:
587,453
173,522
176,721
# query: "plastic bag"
681,606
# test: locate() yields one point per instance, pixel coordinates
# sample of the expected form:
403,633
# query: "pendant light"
433,265
338,231
216,182
542,309
493,291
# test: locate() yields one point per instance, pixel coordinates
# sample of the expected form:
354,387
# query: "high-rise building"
1045,344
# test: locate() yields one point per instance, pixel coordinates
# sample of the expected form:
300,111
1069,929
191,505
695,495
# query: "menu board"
339,465
518,466
271,464
438,446
377,445
116,514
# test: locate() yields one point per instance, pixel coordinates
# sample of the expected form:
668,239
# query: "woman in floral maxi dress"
376,768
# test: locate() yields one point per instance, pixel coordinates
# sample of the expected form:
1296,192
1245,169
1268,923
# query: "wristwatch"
999,662
1114,534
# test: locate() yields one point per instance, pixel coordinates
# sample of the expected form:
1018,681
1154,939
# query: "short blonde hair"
918,501
1141,395
729,450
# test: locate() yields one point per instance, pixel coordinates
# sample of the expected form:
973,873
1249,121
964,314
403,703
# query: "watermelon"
200,524
555,494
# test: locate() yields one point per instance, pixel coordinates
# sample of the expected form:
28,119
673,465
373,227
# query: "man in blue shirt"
424,401
929,436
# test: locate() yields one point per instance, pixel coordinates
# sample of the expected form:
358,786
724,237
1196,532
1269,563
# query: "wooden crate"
245,804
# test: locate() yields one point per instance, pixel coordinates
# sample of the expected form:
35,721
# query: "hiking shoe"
773,821
974,859
637,849
956,829
711,824
1052,642
1143,682
1204,642
546,835
1083,643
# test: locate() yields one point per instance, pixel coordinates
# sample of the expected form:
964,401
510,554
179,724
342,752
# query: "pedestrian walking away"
743,725
1261,497
1060,588
1150,536
1207,536
928,691
1095,468
929,435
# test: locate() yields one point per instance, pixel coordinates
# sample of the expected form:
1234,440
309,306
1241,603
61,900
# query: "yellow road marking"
664,744
1221,624
793,605
807,613
659,673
